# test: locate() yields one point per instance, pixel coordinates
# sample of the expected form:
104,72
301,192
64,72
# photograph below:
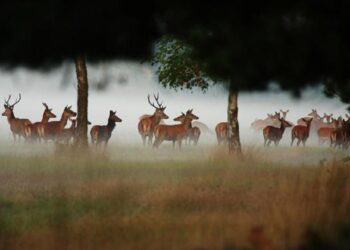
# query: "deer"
193,133
102,133
341,135
328,118
174,132
221,130
68,133
274,134
33,131
272,120
52,130
147,124
301,132
324,133
17,125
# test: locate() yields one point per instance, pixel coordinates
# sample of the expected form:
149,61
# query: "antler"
7,101
17,101
156,97
45,105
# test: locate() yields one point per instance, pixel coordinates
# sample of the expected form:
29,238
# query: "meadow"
138,198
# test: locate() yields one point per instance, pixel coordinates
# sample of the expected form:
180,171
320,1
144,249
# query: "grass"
135,198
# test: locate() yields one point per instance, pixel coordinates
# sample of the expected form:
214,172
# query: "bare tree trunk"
234,143
81,139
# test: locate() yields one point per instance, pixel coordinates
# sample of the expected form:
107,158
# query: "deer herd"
327,128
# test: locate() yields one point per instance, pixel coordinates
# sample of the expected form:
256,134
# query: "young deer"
284,113
68,133
174,132
33,131
193,133
273,134
17,125
148,123
301,132
52,130
103,133
221,130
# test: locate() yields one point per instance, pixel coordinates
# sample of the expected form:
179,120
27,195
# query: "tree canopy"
251,43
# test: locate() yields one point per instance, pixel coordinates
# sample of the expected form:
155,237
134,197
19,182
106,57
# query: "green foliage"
176,66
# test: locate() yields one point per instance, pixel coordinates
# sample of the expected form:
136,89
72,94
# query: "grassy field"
136,198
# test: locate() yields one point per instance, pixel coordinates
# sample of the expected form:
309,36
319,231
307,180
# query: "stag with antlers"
17,125
35,131
101,134
147,124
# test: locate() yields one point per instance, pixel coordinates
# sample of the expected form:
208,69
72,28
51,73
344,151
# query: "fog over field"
129,84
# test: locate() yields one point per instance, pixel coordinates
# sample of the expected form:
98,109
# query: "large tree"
178,69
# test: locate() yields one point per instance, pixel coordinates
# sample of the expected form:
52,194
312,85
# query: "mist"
126,92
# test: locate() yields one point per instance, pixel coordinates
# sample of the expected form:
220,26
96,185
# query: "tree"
177,68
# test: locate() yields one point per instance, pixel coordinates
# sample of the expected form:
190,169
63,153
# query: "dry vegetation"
199,199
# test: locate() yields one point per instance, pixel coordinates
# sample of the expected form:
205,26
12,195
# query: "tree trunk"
81,139
234,143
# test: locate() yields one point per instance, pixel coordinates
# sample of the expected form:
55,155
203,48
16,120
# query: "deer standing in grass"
324,133
273,134
17,125
52,130
148,123
68,133
174,133
221,130
193,133
301,133
34,131
341,135
100,133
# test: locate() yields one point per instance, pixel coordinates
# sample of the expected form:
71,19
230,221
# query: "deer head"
68,113
8,107
327,117
284,123
113,117
308,121
48,112
314,114
190,115
159,112
284,113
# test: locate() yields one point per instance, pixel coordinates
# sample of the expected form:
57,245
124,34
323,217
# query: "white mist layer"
130,101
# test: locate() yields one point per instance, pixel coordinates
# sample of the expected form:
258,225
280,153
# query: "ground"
136,198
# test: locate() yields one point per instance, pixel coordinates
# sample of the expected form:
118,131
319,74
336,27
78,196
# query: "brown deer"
273,134
193,133
221,130
148,123
52,130
341,135
68,133
324,133
33,131
301,132
100,133
17,125
174,132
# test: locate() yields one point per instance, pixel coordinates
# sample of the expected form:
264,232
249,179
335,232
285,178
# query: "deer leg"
150,139
179,141
143,140
304,141
269,142
173,143
298,142
291,143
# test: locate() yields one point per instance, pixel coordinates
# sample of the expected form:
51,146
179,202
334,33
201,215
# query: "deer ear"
5,106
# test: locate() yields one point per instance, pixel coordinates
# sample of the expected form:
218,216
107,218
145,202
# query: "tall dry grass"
204,200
